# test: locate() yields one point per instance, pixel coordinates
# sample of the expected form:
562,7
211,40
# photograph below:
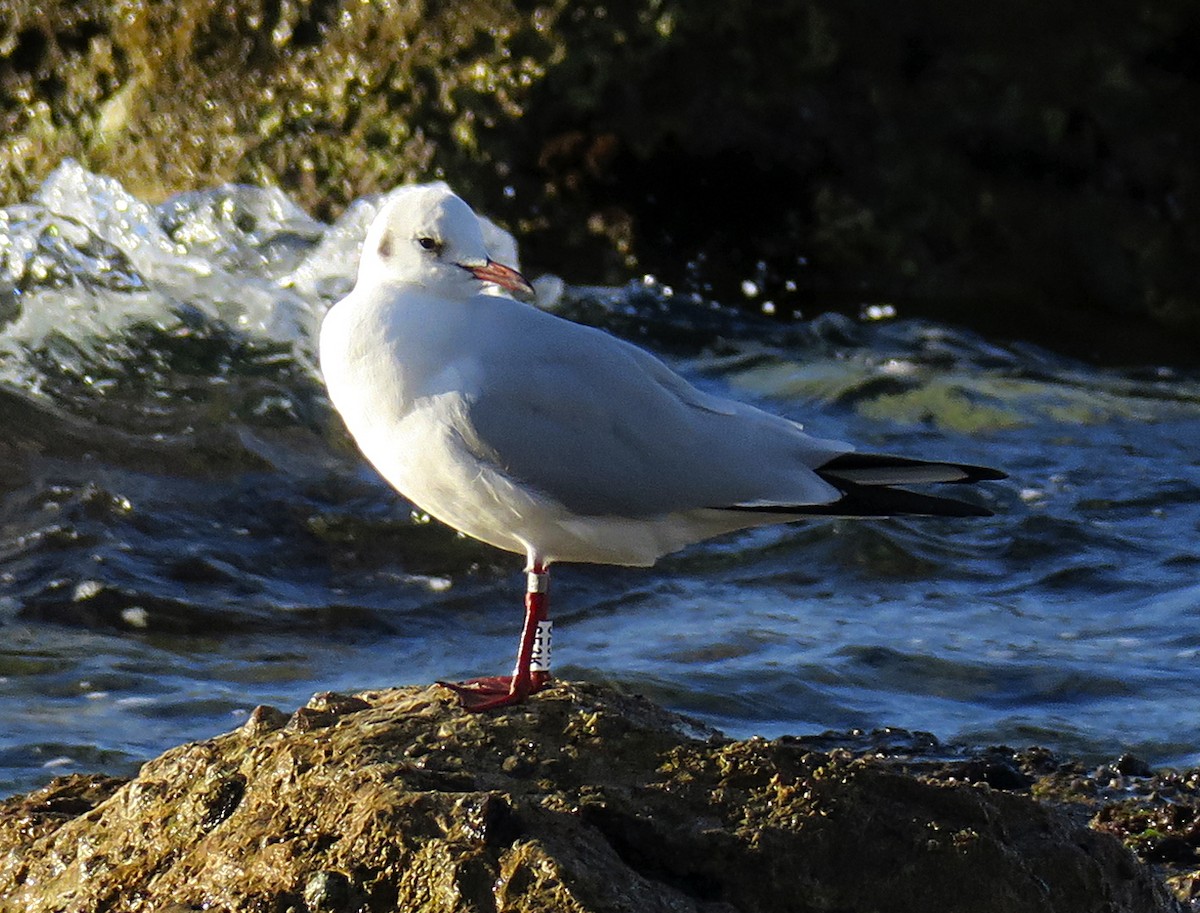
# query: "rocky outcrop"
581,800
1025,170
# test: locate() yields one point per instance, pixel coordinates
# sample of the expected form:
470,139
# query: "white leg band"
540,660
537,582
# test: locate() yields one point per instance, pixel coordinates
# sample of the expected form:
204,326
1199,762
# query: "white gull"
556,440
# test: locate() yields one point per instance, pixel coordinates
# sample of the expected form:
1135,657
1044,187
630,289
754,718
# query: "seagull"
556,440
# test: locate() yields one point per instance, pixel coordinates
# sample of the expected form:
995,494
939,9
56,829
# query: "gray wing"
605,428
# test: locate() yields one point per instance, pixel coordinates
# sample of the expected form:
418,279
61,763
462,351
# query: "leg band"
539,661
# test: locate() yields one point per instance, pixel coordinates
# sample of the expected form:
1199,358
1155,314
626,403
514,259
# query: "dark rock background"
1026,169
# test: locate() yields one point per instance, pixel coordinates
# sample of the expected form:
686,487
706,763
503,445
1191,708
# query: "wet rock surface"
1020,171
584,799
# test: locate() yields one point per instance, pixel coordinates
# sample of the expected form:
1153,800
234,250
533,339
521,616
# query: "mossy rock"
581,800
1023,171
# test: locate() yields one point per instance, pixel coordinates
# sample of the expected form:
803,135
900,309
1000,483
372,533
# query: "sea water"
186,530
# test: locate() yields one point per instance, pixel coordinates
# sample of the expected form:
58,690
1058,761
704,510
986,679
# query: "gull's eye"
429,244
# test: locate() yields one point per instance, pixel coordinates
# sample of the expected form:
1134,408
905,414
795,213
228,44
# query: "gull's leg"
532,672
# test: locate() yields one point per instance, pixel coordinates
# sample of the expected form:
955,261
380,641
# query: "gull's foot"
494,691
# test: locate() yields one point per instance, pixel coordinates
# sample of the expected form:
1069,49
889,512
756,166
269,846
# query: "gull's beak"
503,276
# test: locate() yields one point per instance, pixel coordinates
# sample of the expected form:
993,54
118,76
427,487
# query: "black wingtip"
869,482
877,501
855,462
980,474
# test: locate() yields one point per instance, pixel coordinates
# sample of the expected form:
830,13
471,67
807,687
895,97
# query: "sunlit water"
186,532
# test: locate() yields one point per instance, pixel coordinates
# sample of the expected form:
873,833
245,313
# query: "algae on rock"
581,800
1019,171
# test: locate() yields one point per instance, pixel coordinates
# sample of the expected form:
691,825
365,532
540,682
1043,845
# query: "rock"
328,892
581,800
1020,171
263,719
1129,765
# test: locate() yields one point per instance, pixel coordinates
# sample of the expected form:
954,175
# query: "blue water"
187,532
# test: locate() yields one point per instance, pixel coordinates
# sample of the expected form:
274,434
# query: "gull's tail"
866,482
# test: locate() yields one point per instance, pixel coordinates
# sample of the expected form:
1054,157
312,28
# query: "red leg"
532,672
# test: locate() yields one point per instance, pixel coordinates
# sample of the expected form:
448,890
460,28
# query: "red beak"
503,276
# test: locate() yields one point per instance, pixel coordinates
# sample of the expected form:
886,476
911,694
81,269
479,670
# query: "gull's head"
427,236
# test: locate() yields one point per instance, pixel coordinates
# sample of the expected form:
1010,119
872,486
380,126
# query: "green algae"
915,393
